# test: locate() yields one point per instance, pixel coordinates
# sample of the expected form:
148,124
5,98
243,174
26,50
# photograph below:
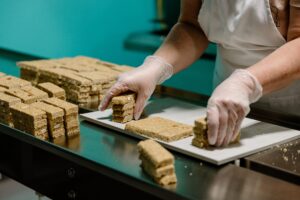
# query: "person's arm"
183,45
186,41
229,103
282,66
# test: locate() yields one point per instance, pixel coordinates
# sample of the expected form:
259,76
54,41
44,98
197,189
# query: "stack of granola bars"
85,80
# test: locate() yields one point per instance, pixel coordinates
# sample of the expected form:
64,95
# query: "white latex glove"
141,80
228,106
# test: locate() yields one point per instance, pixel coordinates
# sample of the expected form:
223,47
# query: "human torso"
246,31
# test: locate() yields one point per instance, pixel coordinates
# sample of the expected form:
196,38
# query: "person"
258,46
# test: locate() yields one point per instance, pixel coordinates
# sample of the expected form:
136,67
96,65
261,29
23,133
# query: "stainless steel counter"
281,161
100,159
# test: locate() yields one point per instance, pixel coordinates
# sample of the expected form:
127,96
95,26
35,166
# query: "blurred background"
123,32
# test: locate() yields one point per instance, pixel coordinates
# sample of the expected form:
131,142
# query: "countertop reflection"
196,179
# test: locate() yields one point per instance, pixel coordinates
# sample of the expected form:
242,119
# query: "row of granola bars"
85,80
30,109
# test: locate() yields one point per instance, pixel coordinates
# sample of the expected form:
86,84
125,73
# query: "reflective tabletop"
115,155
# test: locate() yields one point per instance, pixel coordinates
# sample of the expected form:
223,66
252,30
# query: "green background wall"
59,28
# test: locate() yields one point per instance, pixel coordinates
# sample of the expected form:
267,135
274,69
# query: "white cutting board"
255,135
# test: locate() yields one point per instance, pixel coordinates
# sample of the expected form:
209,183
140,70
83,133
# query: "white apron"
245,33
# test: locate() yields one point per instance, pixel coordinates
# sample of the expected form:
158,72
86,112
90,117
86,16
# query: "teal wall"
59,28
8,62
197,78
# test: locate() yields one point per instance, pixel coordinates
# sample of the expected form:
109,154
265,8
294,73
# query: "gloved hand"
141,80
229,104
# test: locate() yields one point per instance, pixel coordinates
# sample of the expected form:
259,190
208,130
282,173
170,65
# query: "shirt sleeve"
294,21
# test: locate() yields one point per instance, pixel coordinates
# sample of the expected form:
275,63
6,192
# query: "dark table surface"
101,155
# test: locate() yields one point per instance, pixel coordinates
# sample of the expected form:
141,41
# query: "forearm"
280,68
185,44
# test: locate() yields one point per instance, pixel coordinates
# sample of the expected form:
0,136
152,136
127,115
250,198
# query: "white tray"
255,135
